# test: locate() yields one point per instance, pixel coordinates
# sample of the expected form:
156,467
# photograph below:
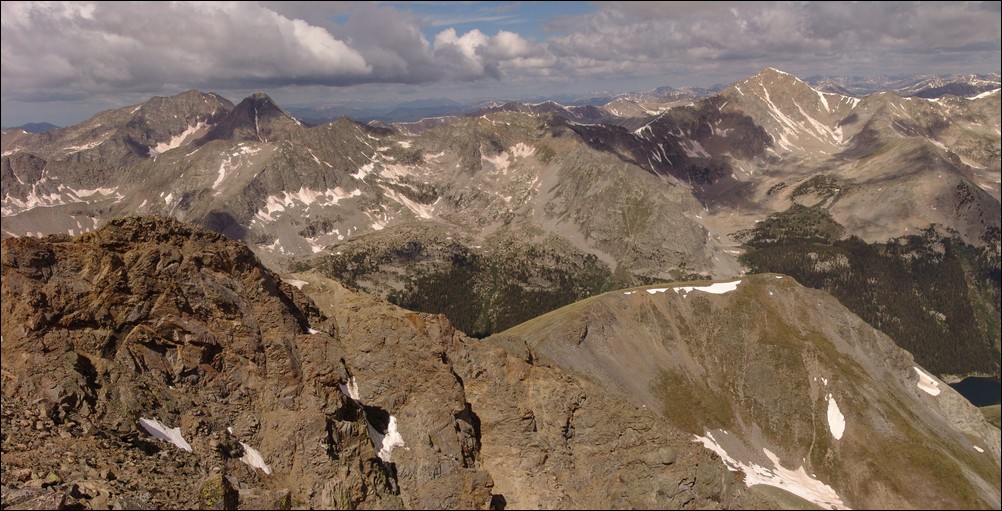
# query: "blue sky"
64,61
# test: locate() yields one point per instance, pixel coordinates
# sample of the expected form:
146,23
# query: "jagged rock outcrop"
549,438
151,329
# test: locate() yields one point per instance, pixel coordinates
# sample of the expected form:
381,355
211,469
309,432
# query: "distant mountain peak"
775,81
256,118
772,74
772,70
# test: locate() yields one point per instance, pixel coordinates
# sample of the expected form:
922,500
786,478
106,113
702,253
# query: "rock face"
255,119
549,438
149,358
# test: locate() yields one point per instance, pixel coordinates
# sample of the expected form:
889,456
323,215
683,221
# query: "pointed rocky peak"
772,79
778,73
257,118
345,122
798,117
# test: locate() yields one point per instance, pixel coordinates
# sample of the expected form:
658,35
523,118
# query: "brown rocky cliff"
548,438
399,361
151,318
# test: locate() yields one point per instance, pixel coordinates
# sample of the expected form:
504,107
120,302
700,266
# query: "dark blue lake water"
980,391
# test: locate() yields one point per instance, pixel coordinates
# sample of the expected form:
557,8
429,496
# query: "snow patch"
522,150
158,430
836,421
395,171
350,389
693,149
976,448
364,170
227,165
504,160
318,159
254,459
927,383
306,197
420,210
62,196
824,101
273,247
718,288
177,140
96,191
501,162
83,147
797,482
985,94
386,443
298,284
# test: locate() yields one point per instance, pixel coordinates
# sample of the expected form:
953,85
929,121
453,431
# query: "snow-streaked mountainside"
631,107
760,143
770,133
522,208
788,387
921,86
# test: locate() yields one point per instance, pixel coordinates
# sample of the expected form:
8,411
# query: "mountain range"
237,273
524,208
639,104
